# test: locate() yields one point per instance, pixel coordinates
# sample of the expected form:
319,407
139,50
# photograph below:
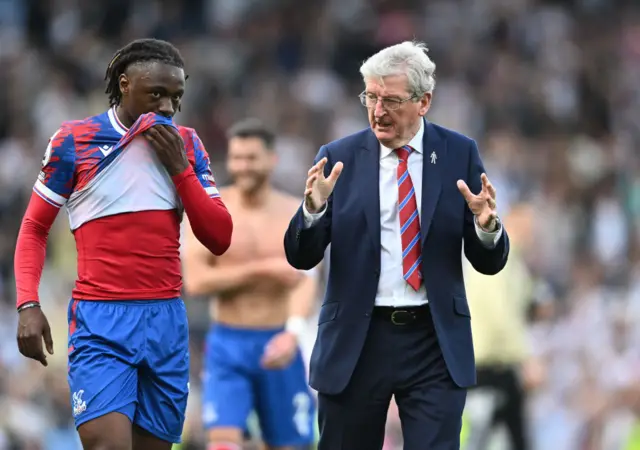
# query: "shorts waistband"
218,327
135,302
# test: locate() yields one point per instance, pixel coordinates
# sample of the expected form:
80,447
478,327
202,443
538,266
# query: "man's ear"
124,84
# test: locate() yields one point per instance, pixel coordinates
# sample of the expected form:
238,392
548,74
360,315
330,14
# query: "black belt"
403,315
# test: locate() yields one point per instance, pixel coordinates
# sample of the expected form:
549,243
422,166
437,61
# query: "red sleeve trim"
209,218
31,248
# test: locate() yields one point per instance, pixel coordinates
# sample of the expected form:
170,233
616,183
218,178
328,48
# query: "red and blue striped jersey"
124,210
83,169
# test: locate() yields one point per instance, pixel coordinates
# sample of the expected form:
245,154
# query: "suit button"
367,314
377,272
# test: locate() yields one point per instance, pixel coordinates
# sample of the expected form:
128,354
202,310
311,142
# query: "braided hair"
138,51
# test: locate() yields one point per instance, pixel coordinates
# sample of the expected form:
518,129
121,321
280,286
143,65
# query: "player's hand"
533,373
319,187
33,327
169,146
280,351
483,205
280,270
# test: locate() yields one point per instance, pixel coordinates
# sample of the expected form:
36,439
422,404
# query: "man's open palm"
319,187
482,205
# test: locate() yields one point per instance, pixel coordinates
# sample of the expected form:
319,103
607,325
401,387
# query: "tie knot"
403,153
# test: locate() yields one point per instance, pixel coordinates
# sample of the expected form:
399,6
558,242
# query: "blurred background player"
252,358
125,191
506,369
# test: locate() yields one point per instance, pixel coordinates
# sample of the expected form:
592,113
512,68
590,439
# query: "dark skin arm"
33,327
169,146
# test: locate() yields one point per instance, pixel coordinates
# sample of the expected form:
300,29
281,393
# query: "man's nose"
166,108
378,110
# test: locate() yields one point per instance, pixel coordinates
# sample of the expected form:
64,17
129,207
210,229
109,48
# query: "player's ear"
123,82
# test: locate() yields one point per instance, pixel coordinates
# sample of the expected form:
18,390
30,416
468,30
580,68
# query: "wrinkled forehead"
156,73
389,86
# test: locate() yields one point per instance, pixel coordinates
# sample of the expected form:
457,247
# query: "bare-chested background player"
252,356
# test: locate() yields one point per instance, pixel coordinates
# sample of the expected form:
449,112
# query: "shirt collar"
415,143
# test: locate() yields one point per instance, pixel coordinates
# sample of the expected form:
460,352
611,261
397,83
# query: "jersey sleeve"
55,181
202,166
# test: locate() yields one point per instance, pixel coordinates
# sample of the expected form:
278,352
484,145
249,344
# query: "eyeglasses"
390,104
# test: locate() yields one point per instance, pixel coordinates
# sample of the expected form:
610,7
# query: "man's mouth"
383,125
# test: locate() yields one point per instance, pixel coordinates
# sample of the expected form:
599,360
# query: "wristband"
296,325
28,305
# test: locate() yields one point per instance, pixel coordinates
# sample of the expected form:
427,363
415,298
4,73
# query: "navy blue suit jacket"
352,225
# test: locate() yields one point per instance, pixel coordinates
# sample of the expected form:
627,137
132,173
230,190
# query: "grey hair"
407,58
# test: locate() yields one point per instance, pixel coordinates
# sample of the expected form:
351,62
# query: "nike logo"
106,149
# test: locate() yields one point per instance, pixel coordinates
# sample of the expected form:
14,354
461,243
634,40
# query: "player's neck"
123,117
257,198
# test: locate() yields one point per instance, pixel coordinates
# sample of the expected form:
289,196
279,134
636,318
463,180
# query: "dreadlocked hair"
138,51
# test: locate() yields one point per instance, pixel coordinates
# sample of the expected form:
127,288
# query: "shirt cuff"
488,239
312,219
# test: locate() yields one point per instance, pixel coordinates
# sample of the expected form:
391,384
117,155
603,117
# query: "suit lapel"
435,149
368,169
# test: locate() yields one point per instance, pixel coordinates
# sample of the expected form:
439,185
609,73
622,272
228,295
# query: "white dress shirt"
393,290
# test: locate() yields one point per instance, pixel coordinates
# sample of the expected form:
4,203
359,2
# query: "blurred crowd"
549,89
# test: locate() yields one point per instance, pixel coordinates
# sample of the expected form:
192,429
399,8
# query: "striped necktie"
409,222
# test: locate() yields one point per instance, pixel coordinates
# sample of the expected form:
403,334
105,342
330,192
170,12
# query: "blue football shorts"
235,384
130,357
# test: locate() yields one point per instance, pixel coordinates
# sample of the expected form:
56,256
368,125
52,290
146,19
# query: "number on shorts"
302,407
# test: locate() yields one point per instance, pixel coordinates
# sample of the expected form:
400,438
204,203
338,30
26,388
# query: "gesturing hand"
33,327
483,205
319,187
169,146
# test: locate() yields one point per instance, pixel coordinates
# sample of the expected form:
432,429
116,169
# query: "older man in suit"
396,201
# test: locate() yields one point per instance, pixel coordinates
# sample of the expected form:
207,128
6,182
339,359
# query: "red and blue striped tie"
409,222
